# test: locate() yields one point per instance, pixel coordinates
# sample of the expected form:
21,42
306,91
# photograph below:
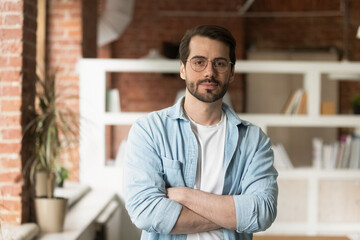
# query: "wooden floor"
285,237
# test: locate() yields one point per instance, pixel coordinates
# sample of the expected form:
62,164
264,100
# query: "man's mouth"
209,83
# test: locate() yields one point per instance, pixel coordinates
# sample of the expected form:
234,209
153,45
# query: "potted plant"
356,104
62,173
54,128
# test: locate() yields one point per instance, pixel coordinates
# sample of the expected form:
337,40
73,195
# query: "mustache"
209,80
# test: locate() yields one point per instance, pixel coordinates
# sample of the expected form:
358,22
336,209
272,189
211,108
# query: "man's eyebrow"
198,56
221,58
218,58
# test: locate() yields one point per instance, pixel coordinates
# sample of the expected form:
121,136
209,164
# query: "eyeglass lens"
198,64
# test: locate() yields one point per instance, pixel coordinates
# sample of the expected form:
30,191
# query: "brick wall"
10,99
17,66
64,39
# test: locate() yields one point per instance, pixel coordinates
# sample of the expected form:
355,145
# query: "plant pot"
41,181
60,184
50,213
41,184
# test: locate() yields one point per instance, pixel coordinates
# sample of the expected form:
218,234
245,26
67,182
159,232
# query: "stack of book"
344,153
296,103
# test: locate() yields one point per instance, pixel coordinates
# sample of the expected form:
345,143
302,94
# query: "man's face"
208,85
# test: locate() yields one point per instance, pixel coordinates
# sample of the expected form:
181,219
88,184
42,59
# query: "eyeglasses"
198,64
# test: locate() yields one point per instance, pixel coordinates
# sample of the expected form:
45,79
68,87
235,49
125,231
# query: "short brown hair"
211,31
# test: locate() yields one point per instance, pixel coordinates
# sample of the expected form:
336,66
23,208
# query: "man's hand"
219,209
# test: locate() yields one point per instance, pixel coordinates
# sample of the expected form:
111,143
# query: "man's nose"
209,71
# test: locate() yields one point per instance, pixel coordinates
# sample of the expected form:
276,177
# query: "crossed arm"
202,211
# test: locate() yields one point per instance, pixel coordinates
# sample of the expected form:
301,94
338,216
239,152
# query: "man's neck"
203,113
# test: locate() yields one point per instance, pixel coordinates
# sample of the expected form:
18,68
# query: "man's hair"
211,31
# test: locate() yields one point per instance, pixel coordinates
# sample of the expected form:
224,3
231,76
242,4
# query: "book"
302,109
347,150
354,160
296,103
317,153
327,108
344,153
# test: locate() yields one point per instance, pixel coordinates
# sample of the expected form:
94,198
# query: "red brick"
11,134
65,6
12,105
56,15
12,47
57,34
10,162
69,60
9,148
65,43
68,78
13,190
8,176
74,23
11,205
13,19
11,6
10,91
75,33
11,218
10,61
10,75
9,120
11,33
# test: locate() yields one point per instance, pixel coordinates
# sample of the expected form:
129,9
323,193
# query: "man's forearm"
190,222
219,209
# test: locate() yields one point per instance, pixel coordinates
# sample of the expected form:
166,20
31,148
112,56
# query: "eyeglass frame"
212,63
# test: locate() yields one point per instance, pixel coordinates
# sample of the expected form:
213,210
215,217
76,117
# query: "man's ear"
182,71
232,75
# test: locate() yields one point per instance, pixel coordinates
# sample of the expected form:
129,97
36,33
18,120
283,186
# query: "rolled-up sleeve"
256,206
144,186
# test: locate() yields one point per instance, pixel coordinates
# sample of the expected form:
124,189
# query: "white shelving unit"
94,119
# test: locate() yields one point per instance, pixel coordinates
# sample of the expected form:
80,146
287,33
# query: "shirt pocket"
173,172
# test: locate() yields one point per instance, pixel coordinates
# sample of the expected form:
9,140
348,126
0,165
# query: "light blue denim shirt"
162,152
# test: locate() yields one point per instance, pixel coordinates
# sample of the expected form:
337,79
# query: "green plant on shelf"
356,104
62,174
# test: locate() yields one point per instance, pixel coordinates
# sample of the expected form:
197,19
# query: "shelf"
122,118
242,66
304,173
302,121
273,120
323,229
93,143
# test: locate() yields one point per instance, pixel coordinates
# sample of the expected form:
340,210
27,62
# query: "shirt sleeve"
144,185
256,206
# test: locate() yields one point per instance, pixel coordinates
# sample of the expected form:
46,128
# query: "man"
195,170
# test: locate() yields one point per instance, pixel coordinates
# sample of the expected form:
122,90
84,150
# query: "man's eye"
220,63
199,62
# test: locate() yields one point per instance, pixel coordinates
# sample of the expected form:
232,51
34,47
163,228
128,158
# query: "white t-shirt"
210,172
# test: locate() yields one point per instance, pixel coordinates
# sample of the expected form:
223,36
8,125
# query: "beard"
211,95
